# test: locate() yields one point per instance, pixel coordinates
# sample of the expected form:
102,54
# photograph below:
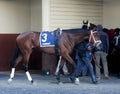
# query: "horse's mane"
76,30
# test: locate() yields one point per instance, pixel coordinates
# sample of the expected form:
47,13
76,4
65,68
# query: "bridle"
97,43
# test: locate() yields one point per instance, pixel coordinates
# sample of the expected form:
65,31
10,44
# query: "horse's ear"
87,22
83,22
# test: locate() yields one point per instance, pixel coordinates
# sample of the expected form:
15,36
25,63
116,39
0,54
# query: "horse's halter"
97,43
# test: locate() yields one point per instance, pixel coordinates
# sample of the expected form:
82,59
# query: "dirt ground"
48,85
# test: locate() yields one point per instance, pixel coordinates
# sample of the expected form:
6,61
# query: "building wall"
17,16
111,14
20,16
7,45
14,16
36,15
71,13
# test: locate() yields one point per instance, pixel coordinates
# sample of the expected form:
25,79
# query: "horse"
95,43
25,42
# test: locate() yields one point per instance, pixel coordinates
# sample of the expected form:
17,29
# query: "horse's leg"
60,67
73,77
27,73
17,57
65,70
25,66
57,69
70,60
13,66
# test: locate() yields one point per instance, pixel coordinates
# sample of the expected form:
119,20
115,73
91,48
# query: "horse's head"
89,26
92,26
95,39
94,35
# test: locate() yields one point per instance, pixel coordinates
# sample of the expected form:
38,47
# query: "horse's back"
28,39
26,35
75,30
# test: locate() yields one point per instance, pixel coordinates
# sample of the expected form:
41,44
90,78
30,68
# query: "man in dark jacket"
101,54
116,49
83,57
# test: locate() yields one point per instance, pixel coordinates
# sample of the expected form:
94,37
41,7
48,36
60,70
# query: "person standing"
116,50
101,54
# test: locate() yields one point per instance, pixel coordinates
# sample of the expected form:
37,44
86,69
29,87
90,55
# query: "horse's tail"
16,53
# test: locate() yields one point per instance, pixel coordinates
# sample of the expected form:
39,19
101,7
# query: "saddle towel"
46,39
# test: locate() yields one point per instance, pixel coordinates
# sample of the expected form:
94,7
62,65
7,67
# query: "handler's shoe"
98,78
77,81
95,82
106,77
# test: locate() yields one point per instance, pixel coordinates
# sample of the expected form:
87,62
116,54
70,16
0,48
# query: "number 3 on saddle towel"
46,39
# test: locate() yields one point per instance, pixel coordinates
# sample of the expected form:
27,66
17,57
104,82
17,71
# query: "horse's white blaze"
28,76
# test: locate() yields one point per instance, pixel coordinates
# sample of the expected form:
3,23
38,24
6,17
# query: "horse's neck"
80,37
73,39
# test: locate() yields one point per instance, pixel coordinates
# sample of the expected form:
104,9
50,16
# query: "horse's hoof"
33,83
10,81
56,73
77,81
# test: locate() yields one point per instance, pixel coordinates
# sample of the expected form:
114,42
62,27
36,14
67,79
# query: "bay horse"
25,42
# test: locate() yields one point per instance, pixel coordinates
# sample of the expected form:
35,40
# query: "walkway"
48,85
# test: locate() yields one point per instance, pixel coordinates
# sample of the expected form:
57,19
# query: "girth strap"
56,39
